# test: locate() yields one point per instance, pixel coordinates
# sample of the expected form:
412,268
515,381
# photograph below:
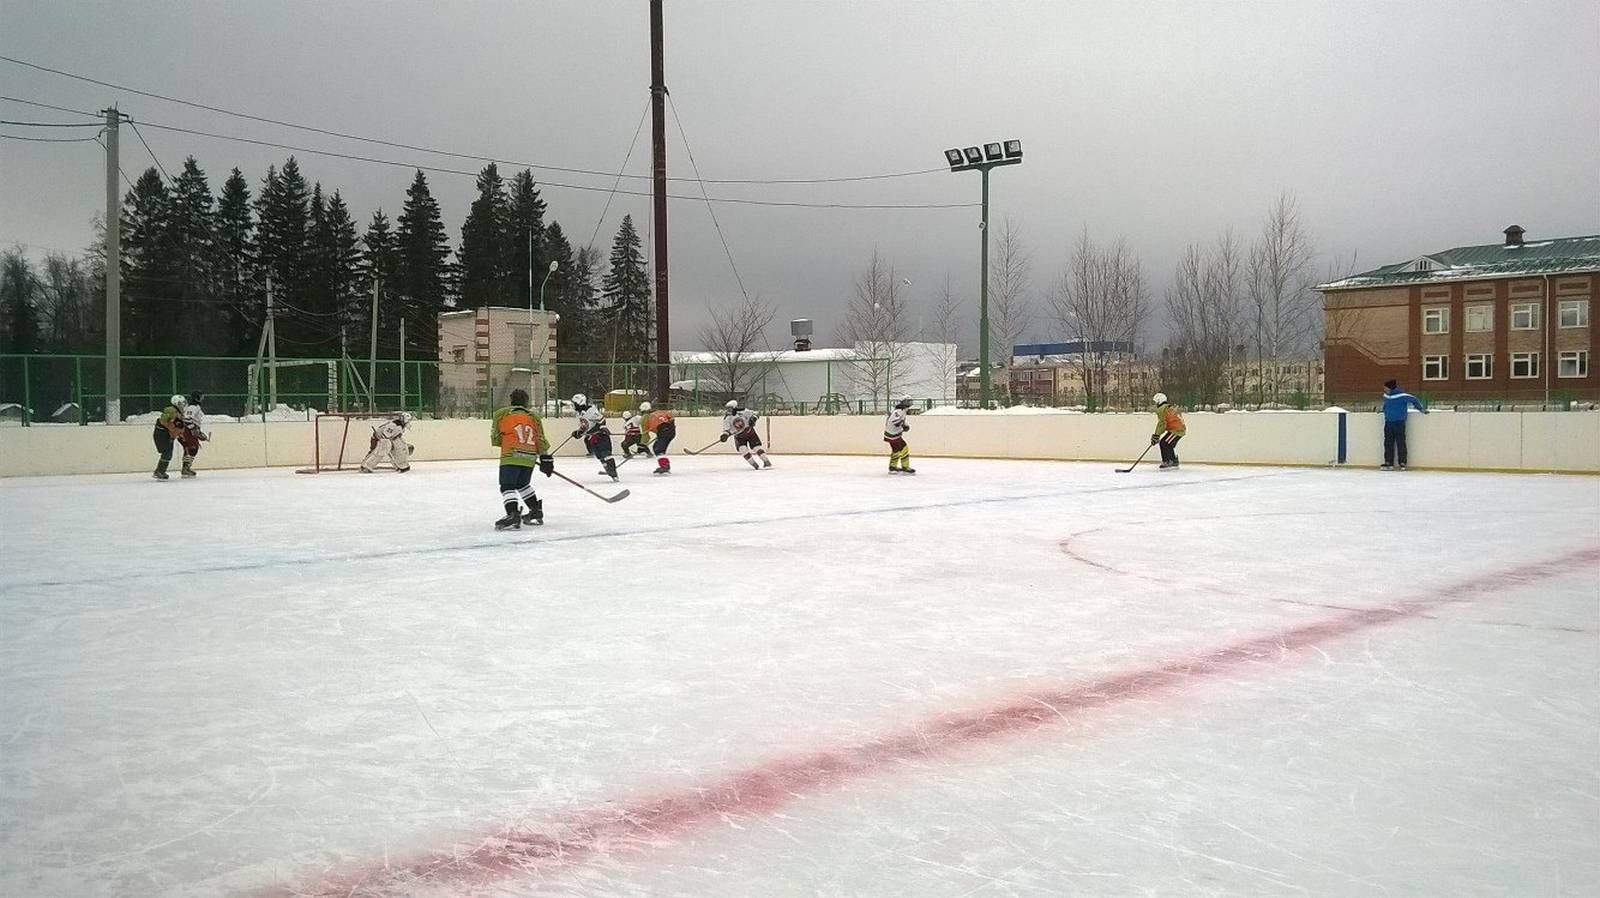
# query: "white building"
820,376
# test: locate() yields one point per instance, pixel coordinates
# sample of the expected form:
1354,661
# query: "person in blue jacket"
1396,403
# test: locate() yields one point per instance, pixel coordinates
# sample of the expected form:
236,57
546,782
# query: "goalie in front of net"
389,438
520,435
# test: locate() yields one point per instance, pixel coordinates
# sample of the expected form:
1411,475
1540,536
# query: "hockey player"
658,422
894,430
169,427
389,438
193,432
631,437
520,435
1169,430
740,423
592,430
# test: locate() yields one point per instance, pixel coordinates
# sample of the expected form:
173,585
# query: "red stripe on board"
573,838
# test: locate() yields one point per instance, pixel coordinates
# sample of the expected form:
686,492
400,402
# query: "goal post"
342,439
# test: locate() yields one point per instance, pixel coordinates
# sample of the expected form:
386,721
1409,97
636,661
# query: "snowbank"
1014,410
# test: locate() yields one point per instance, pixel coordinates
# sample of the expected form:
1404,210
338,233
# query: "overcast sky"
1402,128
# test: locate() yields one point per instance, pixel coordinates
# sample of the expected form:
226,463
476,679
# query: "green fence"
71,389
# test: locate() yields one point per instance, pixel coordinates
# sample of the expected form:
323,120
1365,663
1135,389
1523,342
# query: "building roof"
1562,255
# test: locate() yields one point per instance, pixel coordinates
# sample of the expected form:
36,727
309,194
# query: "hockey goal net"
342,439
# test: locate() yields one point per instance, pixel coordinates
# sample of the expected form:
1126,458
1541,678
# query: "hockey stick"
1137,460
702,449
617,498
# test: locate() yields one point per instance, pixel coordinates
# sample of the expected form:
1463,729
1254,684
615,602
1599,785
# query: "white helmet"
626,414
1159,398
905,402
732,404
179,402
644,407
579,399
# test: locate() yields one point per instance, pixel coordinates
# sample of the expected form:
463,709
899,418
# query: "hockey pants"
899,452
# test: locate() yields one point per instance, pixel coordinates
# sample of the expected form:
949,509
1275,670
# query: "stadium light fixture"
991,155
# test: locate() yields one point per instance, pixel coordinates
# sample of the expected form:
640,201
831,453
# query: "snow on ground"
992,678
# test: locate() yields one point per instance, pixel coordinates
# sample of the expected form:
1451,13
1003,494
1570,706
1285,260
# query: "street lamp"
990,155
544,387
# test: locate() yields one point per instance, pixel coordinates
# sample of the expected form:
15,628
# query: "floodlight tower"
992,155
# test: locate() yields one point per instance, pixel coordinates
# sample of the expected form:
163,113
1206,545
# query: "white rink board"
260,683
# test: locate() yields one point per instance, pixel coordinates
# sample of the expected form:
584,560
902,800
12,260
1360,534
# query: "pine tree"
341,252
484,244
283,209
380,264
627,298
150,268
234,265
201,325
422,271
526,225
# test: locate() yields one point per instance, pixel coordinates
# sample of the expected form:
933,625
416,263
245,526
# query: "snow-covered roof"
1495,260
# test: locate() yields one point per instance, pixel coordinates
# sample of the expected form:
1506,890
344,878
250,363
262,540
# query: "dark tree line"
196,268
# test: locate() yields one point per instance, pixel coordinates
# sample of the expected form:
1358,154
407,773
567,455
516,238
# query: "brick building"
486,352
1502,321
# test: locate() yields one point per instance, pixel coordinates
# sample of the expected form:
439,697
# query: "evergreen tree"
283,211
151,272
379,265
422,272
234,265
627,298
342,258
200,326
485,243
526,225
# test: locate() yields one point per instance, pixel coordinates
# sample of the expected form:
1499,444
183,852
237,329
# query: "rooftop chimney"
1514,235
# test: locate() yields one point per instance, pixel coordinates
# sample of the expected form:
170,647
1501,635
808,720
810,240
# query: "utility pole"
113,273
658,133
372,353
272,352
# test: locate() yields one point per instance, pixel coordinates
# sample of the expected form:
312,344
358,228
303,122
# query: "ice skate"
188,468
535,515
509,522
160,473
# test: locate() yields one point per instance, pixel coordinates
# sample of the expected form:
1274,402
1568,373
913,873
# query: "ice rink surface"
992,679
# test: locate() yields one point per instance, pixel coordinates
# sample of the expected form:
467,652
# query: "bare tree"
942,331
1010,311
1101,300
876,325
1281,297
1205,311
736,339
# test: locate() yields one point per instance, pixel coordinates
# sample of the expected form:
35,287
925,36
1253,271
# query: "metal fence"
70,389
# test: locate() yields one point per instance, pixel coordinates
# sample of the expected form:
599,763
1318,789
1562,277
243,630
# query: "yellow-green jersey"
520,435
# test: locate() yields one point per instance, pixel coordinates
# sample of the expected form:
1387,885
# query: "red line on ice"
573,838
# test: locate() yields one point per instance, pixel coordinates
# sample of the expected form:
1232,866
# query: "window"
1524,364
1480,318
1480,366
1575,313
1573,364
1435,367
1436,320
459,354
1525,316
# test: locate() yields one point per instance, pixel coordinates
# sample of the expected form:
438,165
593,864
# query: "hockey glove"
547,465
374,444
1154,439
577,433
723,438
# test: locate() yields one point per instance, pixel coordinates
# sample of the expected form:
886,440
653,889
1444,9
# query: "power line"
696,168
147,149
552,184
50,124
624,167
479,157
124,174
49,139
49,106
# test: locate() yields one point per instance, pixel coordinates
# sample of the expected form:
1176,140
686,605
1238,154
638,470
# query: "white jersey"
895,423
194,418
739,421
591,420
389,430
